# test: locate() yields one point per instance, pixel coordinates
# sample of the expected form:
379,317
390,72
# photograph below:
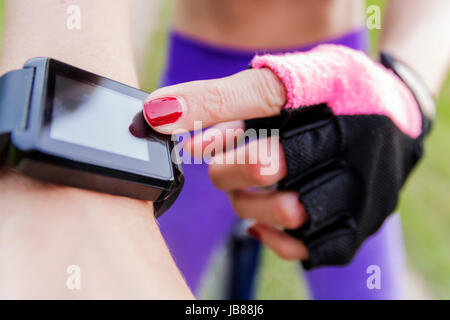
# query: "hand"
248,94
351,132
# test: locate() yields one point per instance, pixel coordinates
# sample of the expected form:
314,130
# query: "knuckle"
284,214
236,202
270,90
215,103
214,176
255,177
210,106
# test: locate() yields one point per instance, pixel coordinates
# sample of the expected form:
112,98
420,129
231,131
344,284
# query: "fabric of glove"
351,132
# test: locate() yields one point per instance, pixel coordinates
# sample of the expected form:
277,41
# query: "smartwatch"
64,125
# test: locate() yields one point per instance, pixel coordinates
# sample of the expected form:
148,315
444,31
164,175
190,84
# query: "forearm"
44,228
145,14
115,242
101,45
417,32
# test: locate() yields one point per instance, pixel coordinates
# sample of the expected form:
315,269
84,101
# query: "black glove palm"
348,170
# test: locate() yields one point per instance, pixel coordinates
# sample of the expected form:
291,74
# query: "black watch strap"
15,91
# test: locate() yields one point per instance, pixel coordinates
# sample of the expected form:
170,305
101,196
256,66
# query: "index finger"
253,93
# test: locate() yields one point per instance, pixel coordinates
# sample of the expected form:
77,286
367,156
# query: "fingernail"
162,111
254,233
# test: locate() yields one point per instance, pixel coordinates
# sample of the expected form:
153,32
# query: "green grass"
425,206
424,202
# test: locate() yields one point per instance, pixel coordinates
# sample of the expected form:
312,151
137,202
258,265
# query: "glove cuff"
348,81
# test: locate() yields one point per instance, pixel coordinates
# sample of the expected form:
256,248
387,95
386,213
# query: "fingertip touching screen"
96,117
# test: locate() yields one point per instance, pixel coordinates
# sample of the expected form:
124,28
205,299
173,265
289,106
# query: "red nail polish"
252,232
162,111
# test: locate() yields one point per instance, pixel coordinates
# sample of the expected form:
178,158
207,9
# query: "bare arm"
45,228
144,20
417,32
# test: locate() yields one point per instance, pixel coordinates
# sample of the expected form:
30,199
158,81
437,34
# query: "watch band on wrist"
421,92
15,87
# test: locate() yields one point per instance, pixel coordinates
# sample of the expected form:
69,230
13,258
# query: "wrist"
28,197
51,227
416,85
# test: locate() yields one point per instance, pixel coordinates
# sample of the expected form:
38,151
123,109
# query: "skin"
417,35
250,23
44,228
413,31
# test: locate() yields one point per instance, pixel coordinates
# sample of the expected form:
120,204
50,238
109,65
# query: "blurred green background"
424,202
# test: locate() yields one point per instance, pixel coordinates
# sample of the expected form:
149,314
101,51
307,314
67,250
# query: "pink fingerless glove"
348,81
351,134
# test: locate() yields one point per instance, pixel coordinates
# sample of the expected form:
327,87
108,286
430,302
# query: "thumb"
253,93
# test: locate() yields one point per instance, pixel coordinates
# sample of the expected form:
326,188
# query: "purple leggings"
201,219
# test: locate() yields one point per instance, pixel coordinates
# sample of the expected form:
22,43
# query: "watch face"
97,123
93,116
